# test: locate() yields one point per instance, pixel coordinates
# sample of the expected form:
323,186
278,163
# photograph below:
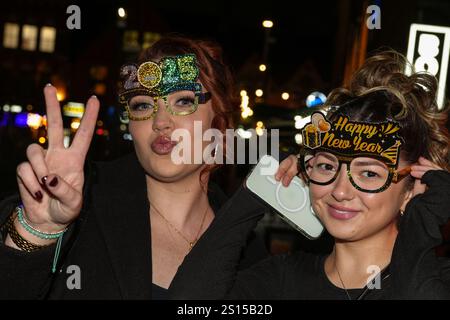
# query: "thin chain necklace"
191,243
340,278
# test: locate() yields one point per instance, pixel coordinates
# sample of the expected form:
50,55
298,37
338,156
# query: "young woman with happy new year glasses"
382,199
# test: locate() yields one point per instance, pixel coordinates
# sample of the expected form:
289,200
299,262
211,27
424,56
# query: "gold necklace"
191,243
340,278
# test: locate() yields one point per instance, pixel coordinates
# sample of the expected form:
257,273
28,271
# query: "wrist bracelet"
33,231
22,243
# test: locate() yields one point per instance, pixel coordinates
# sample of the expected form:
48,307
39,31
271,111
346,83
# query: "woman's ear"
409,194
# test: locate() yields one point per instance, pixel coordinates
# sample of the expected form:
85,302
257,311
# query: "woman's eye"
185,102
141,106
325,166
369,174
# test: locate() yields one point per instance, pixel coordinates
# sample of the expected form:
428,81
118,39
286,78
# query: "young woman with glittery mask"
378,173
120,230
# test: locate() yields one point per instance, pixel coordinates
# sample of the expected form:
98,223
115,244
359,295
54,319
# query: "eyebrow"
369,163
141,98
326,155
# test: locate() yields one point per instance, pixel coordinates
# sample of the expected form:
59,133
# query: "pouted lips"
162,145
341,213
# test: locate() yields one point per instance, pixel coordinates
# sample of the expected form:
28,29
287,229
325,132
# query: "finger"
419,188
36,157
85,132
417,174
284,167
423,169
54,120
289,175
28,182
63,191
426,162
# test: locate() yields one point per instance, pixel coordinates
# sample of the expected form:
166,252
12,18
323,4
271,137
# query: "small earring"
402,212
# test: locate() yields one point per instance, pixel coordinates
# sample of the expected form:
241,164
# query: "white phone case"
291,202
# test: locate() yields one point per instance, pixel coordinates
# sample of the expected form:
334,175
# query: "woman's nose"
162,121
343,189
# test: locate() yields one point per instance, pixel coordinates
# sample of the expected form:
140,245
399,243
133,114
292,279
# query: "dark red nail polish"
54,182
44,179
38,195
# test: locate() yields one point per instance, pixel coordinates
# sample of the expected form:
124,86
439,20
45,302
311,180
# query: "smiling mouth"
341,213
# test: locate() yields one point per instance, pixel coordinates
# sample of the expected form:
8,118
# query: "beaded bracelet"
57,235
33,231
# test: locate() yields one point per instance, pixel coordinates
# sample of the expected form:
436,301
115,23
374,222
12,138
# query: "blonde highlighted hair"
409,100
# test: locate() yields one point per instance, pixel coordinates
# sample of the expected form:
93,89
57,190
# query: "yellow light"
60,95
121,12
246,111
262,67
100,123
34,120
259,93
267,24
259,124
259,131
75,124
42,140
285,96
123,127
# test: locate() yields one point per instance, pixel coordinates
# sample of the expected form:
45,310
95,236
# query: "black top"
106,252
415,272
159,293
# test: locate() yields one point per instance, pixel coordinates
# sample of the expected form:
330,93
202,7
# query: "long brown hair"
215,75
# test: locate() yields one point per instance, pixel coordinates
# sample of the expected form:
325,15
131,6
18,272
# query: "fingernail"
94,96
48,84
44,179
38,195
54,182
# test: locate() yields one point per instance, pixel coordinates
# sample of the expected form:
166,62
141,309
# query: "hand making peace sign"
51,181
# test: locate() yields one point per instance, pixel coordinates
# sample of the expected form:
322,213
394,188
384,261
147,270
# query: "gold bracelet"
18,240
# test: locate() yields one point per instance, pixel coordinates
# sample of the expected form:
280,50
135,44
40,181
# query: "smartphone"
292,202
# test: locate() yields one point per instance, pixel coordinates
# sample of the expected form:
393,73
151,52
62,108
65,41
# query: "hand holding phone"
292,202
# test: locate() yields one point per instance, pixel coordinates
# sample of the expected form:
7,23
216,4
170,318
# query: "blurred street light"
259,93
285,96
316,98
262,67
121,12
267,24
75,124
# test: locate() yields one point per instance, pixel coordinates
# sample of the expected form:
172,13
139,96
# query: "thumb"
64,192
419,187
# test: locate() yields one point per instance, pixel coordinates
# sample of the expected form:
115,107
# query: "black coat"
110,242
